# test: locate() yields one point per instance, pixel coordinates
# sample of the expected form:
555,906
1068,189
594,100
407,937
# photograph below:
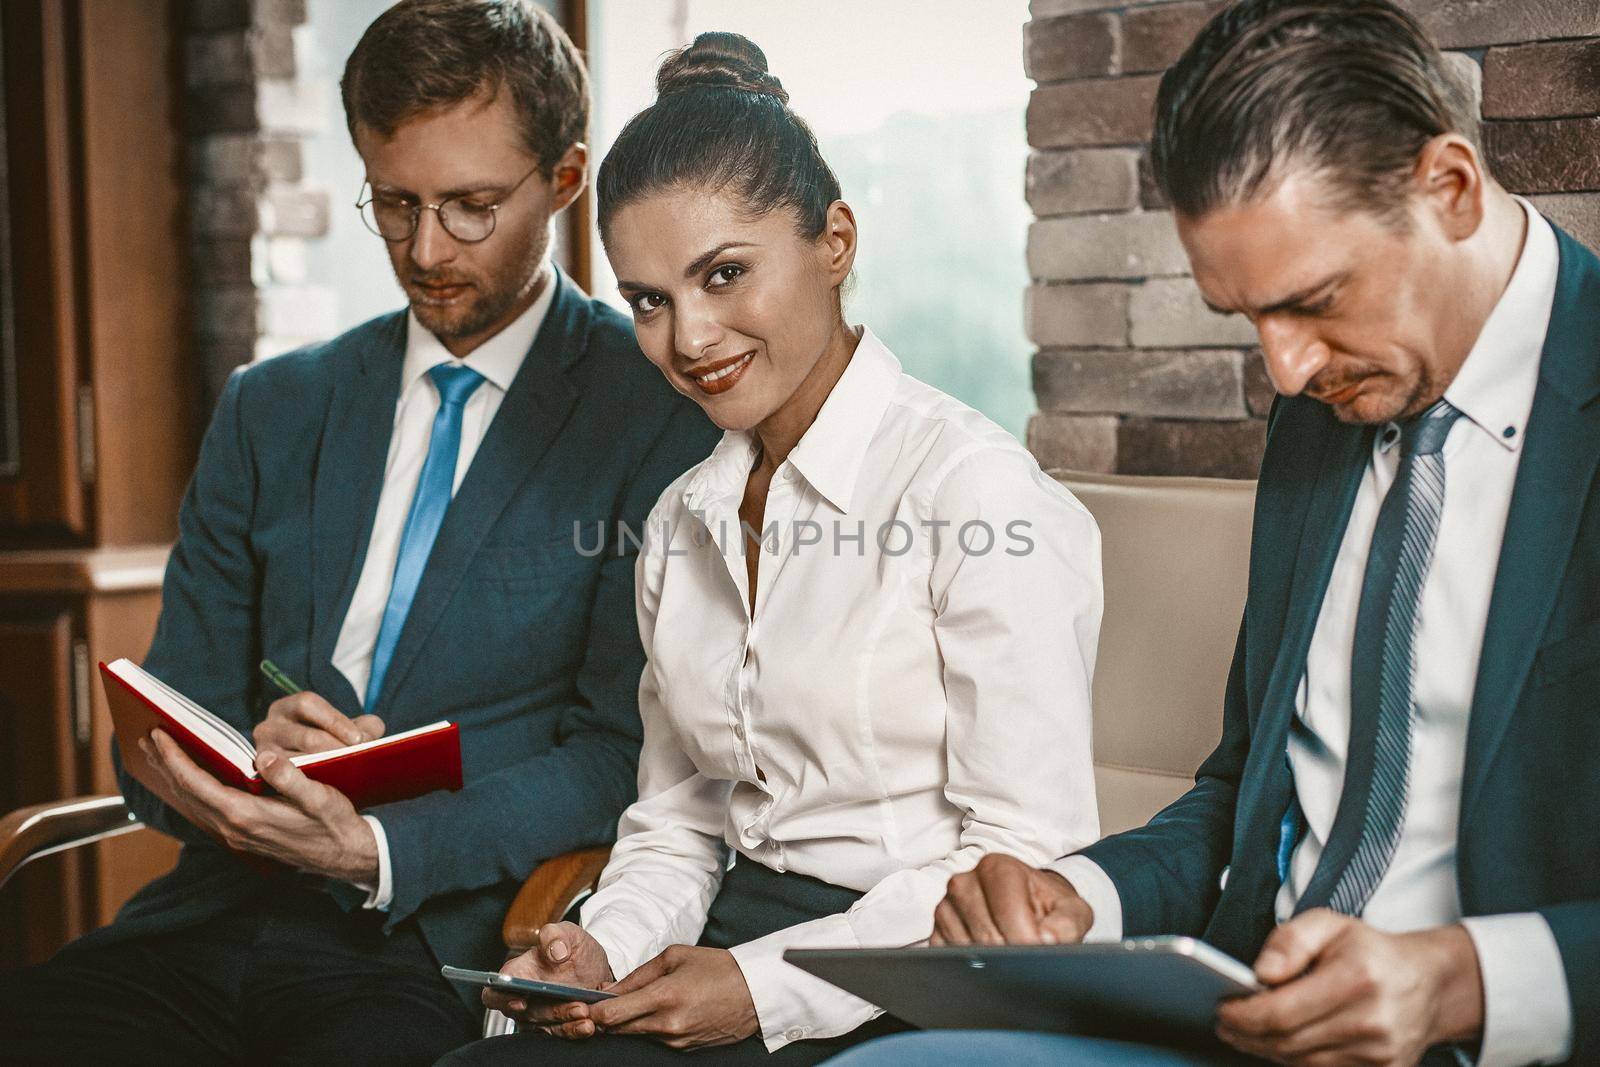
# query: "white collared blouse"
910,693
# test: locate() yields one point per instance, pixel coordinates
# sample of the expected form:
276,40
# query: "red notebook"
393,768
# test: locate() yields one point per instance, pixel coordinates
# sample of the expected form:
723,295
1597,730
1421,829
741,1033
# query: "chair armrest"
553,887
29,833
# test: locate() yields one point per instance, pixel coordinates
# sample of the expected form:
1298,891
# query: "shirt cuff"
626,945
1527,1008
1095,886
380,896
792,1005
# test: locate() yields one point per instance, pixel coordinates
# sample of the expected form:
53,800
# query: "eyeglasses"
396,218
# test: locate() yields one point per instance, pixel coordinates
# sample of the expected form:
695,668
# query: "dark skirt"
754,901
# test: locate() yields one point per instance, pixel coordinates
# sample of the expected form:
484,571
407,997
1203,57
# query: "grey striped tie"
1372,807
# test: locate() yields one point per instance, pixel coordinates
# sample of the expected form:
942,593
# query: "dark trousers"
754,901
292,980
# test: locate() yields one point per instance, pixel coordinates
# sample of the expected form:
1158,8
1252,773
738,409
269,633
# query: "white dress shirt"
1527,1016
895,707
498,359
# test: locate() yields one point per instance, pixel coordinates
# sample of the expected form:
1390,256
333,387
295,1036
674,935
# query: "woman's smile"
721,376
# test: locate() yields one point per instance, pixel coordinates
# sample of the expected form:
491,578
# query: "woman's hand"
565,954
685,998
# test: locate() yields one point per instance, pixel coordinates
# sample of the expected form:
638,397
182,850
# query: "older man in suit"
424,518
1398,825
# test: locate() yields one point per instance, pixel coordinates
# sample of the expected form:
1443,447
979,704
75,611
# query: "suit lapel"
1345,450
1265,788
345,489
1558,466
532,414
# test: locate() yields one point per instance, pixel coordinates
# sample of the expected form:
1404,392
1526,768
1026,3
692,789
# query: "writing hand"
304,722
565,953
1003,901
1346,993
308,826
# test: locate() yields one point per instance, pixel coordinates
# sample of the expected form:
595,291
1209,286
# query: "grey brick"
1472,23
1078,46
293,211
226,311
1096,111
223,210
1168,313
222,58
1078,316
1139,245
1190,447
1201,384
1083,180
1073,442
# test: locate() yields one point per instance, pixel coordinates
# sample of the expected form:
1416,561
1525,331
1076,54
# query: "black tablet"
1156,989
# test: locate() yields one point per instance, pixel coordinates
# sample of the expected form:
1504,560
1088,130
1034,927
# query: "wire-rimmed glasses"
395,218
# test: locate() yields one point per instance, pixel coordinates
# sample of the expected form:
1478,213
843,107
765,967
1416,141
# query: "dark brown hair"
720,121
1350,90
425,54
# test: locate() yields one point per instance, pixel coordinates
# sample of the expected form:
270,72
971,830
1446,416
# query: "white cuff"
1527,1008
379,897
792,1005
627,947
1095,886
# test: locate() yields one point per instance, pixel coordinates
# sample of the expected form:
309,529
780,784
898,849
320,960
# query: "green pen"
278,678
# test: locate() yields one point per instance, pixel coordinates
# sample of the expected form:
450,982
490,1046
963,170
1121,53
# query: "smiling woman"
859,692
918,109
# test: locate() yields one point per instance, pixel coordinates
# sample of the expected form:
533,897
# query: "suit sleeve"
502,825
206,638
1576,926
1167,873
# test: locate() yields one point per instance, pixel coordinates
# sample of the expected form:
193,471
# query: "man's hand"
565,954
1003,901
305,723
309,826
1344,993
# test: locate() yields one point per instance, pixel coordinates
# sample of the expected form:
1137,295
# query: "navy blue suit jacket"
530,644
1531,793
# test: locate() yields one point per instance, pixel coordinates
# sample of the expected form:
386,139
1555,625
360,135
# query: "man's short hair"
1348,90
421,55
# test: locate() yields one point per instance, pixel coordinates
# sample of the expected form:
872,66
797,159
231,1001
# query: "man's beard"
490,306
482,313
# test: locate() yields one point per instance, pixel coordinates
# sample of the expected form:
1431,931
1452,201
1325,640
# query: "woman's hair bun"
719,61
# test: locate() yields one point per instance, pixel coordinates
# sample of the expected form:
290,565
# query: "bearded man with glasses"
393,517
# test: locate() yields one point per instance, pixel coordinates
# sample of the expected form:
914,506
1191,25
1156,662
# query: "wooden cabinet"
99,416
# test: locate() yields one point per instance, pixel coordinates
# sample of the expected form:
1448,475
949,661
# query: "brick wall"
251,209
1132,373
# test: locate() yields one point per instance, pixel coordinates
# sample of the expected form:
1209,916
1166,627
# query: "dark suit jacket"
1531,795
526,642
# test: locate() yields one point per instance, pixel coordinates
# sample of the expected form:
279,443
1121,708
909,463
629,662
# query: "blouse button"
738,730
796,1033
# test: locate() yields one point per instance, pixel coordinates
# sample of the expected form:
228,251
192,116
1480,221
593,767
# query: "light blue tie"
455,384
1367,827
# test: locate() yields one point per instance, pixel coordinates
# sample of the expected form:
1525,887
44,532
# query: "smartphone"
525,987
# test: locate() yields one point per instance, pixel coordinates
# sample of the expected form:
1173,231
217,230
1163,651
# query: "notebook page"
228,742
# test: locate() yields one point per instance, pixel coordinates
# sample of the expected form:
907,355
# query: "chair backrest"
1176,555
